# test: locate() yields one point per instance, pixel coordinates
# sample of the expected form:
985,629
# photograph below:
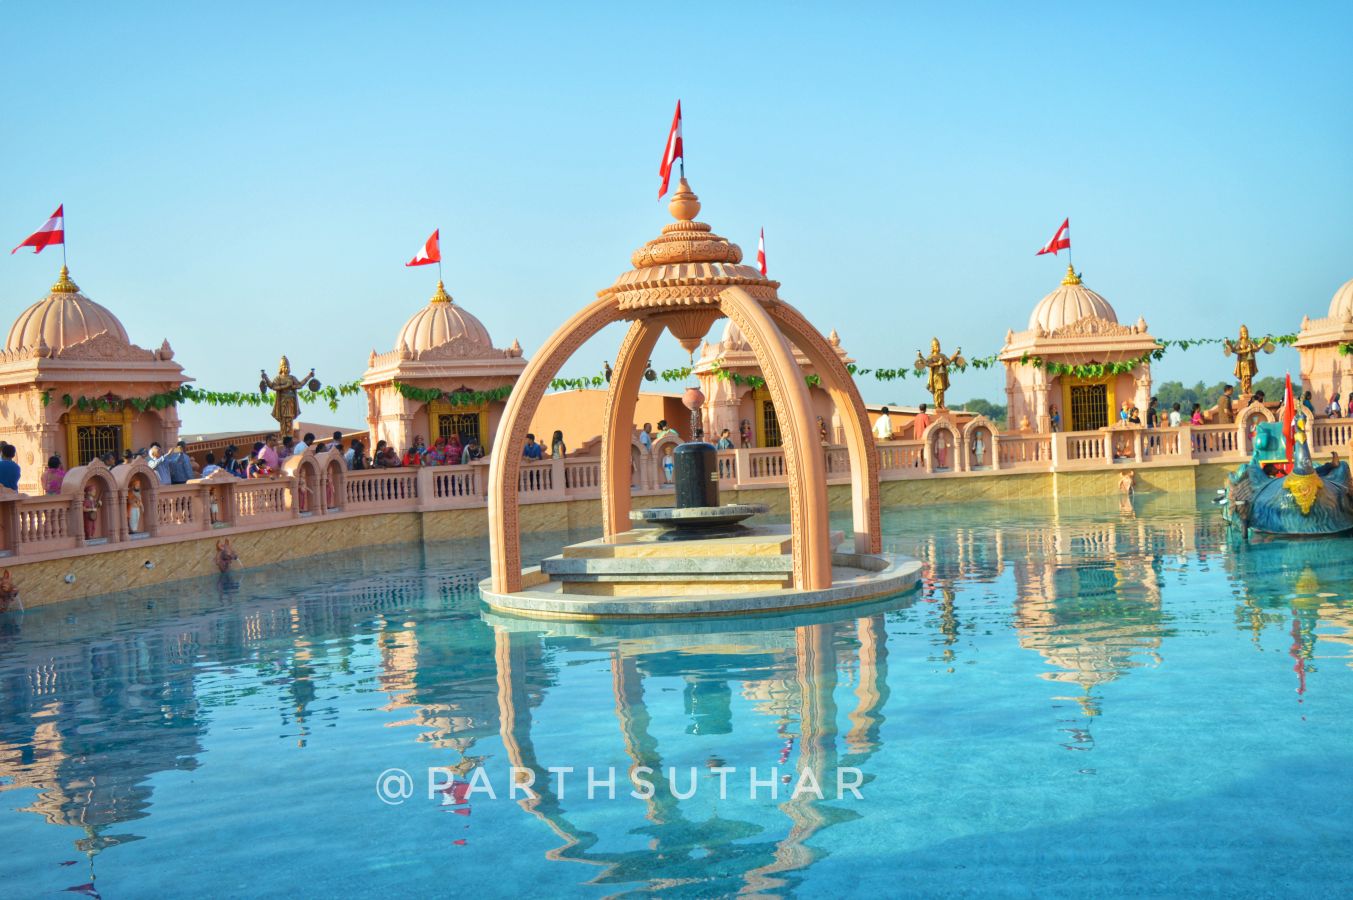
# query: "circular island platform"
640,575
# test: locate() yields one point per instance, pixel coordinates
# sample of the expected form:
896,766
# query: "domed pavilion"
1324,370
683,281
1074,325
441,348
733,401
68,379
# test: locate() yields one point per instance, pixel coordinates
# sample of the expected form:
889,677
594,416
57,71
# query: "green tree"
994,412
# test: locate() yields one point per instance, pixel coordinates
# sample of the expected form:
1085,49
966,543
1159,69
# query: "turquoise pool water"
1092,701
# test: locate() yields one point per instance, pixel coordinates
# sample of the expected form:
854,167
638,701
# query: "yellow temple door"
1088,402
444,420
767,423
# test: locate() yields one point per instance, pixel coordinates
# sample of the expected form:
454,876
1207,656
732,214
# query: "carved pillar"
804,463
617,423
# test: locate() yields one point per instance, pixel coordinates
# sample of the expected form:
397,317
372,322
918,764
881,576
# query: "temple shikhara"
68,374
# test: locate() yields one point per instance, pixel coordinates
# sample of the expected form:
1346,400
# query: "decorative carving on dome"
702,293
514,352
834,339
460,347
1092,326
1140,327
1305,323
404,351
104,346
166,352
1009,336
42,351
371,360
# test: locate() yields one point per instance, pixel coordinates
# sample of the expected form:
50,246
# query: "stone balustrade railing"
318,485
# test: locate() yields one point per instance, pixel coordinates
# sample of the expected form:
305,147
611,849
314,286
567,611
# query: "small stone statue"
1245,351
135,508
937,364
285,406
92,503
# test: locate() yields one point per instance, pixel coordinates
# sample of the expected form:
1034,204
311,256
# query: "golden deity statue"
285,406
1245,351
937,367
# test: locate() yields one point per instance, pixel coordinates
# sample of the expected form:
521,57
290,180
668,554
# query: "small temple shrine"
737,398
71,382
1325,371
1074,326
446,363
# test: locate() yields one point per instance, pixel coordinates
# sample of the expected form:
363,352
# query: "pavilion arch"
684,281
109,523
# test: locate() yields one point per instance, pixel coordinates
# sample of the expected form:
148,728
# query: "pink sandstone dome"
1070,303
441,322
1341,305
63,318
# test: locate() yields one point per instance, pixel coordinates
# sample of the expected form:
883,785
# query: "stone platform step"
566,567
646,543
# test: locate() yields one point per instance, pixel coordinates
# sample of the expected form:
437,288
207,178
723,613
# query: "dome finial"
63,283
1071,277
684,205
441,296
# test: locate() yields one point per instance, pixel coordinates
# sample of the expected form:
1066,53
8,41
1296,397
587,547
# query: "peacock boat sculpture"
1280,494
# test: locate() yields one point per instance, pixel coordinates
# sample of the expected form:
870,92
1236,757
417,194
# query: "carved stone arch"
662,448
859,435
138,472
305,470
505,462
979,427
805,466
107,519
333,479
618,420
943,445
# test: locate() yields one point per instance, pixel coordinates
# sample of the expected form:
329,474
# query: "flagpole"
1068,246
63,237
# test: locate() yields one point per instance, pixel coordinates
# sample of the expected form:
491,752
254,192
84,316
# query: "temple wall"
120,567
1324,372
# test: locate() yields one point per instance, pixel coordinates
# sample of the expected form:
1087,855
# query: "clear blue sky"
248,179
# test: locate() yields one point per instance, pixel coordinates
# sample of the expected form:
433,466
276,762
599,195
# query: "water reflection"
1023,616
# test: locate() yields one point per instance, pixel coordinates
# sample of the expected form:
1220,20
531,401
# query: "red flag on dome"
761,252
1289,419
431,252
54,232
1060,241
671,153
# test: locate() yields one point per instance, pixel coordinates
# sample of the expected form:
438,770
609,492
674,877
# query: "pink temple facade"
1073,325
66,347
441,347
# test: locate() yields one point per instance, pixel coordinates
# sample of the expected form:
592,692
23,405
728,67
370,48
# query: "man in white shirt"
883,426
1175,416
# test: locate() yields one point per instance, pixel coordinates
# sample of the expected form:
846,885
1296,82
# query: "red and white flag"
54,232
431,252
761,252
671,153
1060,241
